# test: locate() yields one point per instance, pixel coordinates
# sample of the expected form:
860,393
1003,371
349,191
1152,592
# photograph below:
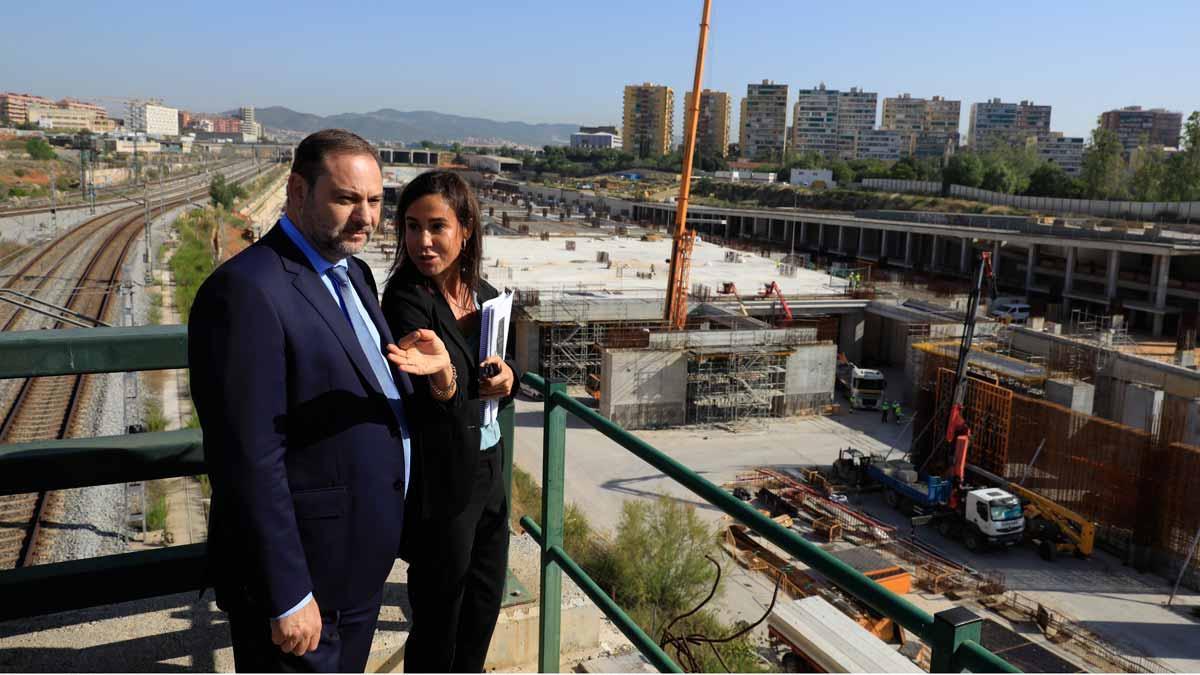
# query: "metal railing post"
554,441
951,628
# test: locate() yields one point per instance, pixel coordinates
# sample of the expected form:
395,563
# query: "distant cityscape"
842,125
837,124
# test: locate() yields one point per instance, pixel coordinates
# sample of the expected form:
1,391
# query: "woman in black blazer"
456,512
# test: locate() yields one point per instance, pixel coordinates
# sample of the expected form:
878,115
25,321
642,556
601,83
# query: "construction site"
1090,434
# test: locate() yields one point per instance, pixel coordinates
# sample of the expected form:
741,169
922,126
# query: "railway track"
49,407
104,194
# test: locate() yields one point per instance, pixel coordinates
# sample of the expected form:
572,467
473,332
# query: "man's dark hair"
461,200
309,159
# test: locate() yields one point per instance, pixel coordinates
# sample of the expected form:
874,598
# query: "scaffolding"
576,326
729,386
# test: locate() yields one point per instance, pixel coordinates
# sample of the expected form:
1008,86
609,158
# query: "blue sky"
567,61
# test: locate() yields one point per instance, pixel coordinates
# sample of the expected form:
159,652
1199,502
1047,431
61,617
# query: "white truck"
862,386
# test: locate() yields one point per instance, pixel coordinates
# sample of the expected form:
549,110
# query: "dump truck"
982,517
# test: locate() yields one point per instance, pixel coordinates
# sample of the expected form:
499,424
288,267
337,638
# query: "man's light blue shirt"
322,267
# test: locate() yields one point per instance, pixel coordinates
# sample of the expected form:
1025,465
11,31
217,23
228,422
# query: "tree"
1049,180
1102,166
964,168
659,559
1149,166
1181,181
999,178
224,193
39,149
905,169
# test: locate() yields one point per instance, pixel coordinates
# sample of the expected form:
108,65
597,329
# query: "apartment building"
153,119
995,123
887,145
15,107
712,127
828,120
763,122
647,125
1136,127
932,122
1065,151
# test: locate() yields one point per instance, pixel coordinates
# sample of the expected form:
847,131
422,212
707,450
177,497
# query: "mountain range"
392,125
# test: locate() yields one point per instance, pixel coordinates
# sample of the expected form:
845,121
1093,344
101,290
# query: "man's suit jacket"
449,434
303,450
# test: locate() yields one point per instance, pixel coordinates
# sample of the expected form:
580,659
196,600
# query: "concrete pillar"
964,257
883,243
1076,395
821,236
1030,265
1160,291
858,246
935,258
1069,280
803,234
996,260
908,248
1142,407
1114,265
1153,277
841,239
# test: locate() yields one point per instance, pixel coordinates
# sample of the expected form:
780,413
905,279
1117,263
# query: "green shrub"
156,506
39,149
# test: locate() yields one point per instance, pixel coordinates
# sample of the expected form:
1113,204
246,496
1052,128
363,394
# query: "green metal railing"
52,465
953,634
85,462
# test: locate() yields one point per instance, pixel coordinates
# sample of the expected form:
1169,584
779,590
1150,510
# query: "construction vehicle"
1051,527
773,289
980,516
862,386
730,288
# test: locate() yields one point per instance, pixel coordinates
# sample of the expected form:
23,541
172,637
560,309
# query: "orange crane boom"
675,313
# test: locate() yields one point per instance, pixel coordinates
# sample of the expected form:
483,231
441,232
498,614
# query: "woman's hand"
498,386
421,352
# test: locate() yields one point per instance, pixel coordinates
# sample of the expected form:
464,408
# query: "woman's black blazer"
445,434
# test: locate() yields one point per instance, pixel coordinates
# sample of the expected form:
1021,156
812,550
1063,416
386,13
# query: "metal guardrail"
953,634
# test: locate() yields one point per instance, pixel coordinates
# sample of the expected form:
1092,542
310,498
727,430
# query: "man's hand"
298,633
499,386
421,352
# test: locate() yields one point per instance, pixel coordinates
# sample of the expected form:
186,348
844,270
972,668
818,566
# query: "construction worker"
896,410
883,406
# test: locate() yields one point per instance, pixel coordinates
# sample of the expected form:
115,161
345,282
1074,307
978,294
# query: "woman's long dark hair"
461,199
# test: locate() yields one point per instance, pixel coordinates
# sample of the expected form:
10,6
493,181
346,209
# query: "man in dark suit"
305,434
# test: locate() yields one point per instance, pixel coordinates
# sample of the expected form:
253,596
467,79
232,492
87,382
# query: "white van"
1013,310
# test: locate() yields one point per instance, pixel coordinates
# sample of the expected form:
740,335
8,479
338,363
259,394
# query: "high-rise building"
648,122
904,113
1137,127
826,120
1065,151
762,127
996,123
248,124
153,119
815,122
712,127
933,123
15,107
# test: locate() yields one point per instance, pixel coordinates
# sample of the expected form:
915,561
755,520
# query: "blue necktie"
341,282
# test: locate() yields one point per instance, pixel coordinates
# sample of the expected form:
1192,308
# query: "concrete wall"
1092,207
528,347
810,376
643,388
851,332
1142,408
